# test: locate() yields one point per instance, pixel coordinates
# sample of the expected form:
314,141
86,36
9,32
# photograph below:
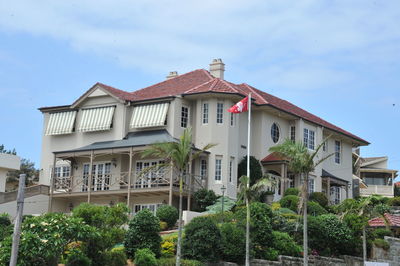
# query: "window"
203,169
293,133
184,116
310,185
291,180
149,115
309,139
96,119
231,168
275,132
218,168
335,194
153,176
61,123
232,119
205,113
337,151
220,113
151,207
325,146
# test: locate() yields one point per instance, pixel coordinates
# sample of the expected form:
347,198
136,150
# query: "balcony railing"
120,181
377,189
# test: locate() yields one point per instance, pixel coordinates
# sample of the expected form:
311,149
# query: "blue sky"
337,59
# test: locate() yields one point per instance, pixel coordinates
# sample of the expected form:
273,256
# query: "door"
101,176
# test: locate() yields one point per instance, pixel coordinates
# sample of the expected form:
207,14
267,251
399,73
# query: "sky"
339,60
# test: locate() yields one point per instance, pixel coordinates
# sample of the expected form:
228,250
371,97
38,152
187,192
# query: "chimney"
217,68
172,74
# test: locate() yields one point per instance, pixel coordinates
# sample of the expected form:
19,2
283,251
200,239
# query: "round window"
275,132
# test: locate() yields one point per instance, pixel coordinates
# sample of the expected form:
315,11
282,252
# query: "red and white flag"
240,107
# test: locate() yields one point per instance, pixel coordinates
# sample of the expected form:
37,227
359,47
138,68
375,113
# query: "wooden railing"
118,181
377,189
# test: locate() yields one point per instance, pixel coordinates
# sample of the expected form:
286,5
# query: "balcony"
383,190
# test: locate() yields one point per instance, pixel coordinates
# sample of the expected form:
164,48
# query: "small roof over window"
61,123
150,115
96,119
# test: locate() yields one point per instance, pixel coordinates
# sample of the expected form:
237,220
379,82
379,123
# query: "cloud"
304,41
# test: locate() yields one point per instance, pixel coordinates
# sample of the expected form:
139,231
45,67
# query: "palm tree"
301,161
248,193
177,155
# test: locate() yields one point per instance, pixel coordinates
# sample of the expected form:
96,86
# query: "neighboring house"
375,177
95,143
7,162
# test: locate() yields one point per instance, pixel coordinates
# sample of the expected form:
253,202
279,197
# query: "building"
96,142
374,175
7,162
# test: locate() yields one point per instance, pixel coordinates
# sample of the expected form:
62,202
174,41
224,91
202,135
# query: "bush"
4,220
145,257
313,208
114,257
380,233
172,262
381,243
271,254
168,214
285,245
320,198
233,243
226,216
290,202
78,259
202,240
204,198
292,191
143,233
163,226
282,223
255,166
394,201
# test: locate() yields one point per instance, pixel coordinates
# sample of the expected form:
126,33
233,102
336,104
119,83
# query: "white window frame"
311,185
277,131
205,107
151,206
232,119
203,168
220,113
292,133
309,141
105,175
185,120
231,169
335,191
218,169
143,182
338,152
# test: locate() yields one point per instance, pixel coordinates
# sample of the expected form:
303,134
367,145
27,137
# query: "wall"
33,205
7,162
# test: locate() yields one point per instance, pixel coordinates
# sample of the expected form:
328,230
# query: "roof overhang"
334,179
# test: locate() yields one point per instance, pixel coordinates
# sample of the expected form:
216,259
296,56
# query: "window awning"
96,119
61,123
151,115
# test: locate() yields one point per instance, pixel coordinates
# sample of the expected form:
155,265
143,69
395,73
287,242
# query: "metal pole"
190,182
18,220
248,184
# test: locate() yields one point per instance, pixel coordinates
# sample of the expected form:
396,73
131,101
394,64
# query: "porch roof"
334,178
133,139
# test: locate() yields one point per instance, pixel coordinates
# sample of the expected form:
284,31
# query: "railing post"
171,181
52,177
128,201
190,183
90,175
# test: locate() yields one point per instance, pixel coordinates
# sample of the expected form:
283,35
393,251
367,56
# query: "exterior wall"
33,205
7,162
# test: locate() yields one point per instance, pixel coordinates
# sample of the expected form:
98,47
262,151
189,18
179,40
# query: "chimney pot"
217,68
172,74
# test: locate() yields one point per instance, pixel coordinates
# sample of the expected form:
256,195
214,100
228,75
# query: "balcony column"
328,189
90,175
128,198
52,177
171,182
283,178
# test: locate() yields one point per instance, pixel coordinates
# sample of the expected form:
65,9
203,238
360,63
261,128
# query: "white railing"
378,190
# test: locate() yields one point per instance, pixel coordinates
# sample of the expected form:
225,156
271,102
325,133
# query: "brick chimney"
217,68
172,74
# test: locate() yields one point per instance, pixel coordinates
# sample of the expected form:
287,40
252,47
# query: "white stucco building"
106,129
7,162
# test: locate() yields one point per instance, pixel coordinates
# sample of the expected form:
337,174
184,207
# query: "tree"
255,166
301,163
204,198
178,155
27,168
3,150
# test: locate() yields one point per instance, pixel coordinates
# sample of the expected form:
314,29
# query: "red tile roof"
391,220
273,157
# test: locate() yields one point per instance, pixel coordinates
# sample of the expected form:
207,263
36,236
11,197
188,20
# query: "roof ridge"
229,85
198,86
255,91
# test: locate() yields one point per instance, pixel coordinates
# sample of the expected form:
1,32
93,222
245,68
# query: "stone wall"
392,255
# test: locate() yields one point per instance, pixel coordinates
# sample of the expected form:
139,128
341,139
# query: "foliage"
381,233
28,168
313,208
145,257
253,192
4,150
78,259
397,191
172,262
163,226
217,206
4,220
233,243
275,206
320,198
219,217
285,245
381,243
292,191
394,201
291,202
43,238
114,257
168,245
256,170
283,223
143,233
271,254
329,235
168,214
204,198
202,240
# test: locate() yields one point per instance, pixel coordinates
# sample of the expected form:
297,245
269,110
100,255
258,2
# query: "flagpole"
248,184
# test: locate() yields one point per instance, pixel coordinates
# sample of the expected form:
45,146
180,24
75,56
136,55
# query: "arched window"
275,132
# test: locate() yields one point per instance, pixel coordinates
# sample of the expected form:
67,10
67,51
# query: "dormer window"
149,115
96,119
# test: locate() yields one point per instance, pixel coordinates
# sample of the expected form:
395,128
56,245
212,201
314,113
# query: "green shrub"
255,166
381,243
78,259
320,198
202,240
226,216
290,202
313,208
168,245
168,214
381,233
163,226
291,191
172,262
145,257
271,254
143,233
394,201
282,223
114,257
233,243
4,220
285,244
204,198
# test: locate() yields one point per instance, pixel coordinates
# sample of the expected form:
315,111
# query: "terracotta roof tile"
273,157
391,220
